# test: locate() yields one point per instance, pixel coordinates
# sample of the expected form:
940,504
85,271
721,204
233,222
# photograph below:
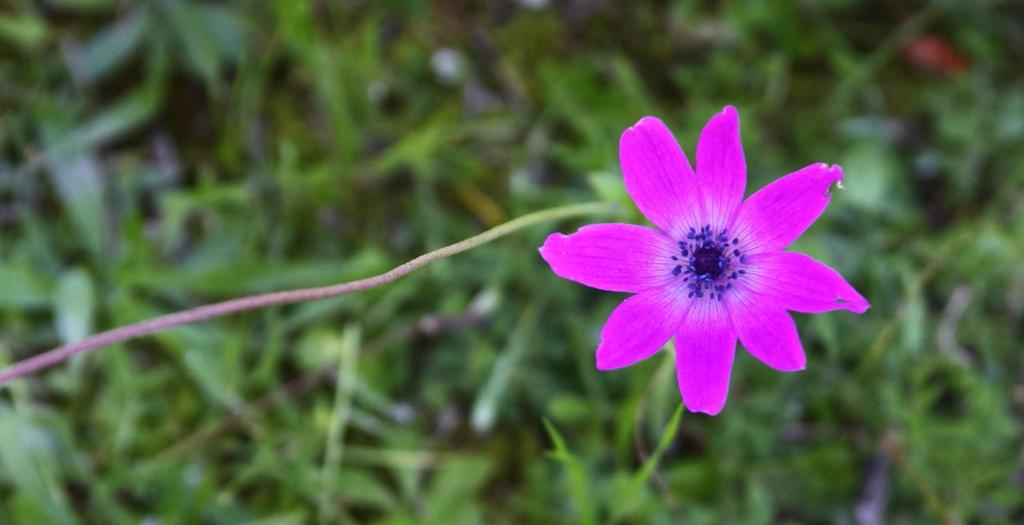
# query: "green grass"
160,155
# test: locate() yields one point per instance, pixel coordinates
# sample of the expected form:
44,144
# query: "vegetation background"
160,155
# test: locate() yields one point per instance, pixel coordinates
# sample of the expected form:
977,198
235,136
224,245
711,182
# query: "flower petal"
613,257
657,175
798,282
780,212
705,346
637,329
767,331
721,168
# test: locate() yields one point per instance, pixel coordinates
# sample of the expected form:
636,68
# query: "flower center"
708,262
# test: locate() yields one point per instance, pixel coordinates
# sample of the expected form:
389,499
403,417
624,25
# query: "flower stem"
241,304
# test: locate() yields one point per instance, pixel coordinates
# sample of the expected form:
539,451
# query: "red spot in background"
935,54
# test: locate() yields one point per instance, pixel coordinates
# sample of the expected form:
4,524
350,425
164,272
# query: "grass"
159,155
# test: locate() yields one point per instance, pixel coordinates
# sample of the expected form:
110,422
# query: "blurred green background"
160,155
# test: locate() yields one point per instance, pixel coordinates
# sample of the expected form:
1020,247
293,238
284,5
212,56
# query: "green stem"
241,304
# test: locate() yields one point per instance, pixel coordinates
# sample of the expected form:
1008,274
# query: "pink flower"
715,269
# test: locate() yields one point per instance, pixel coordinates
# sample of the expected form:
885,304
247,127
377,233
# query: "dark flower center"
708,262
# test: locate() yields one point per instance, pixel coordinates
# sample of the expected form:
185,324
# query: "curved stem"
241,304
